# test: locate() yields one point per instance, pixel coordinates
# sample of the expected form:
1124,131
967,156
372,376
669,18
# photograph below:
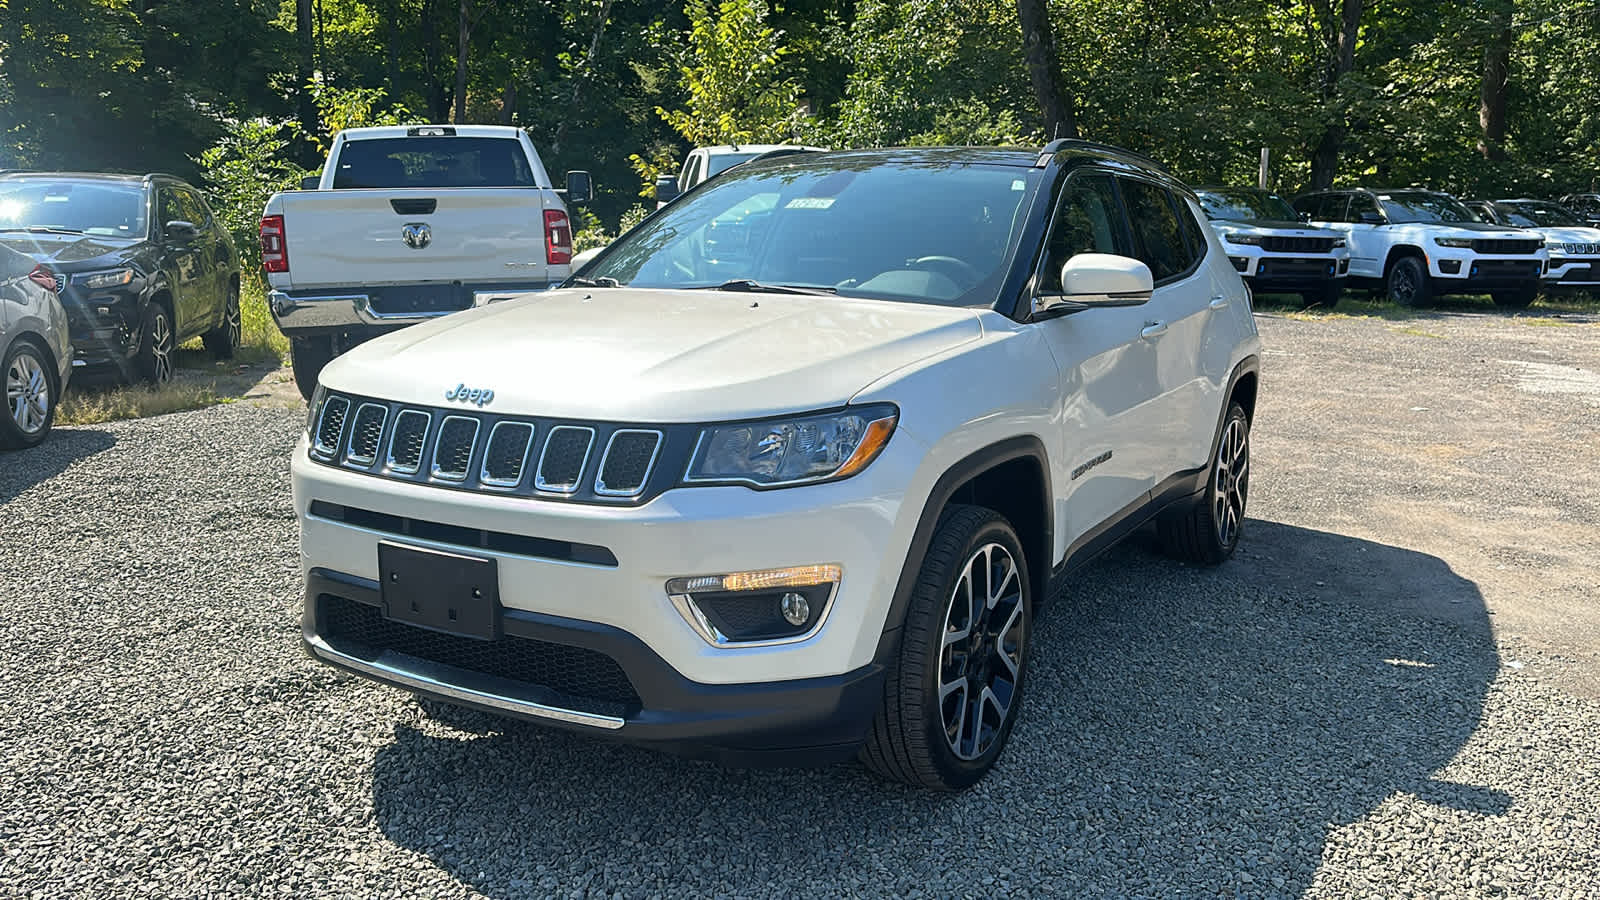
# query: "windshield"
722,162
1241,204
430,162
1586,203
914,230
103,208
1532,214
1424,206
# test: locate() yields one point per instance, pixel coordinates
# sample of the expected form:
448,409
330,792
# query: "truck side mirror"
1372,218
667,188
580,187
310,182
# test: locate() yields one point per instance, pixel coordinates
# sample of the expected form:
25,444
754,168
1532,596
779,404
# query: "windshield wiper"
751,286
602,281
41,229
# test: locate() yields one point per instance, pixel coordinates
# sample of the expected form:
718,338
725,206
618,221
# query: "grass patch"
98,406
262,342
1414,331
1358,305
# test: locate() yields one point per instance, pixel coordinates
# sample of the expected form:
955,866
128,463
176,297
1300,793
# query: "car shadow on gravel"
20,470
1187,731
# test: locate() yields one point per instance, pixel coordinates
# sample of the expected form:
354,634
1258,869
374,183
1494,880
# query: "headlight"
317,396
1338,242
1556,247
113,278
799,450
1458,243
1234,238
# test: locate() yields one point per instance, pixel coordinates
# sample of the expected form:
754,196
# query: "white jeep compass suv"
1414,245
801,498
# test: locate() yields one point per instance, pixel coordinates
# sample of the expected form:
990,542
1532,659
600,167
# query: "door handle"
1219,302
1153,330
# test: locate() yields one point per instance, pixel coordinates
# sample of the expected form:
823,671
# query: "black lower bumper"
565,673
1494,275
1294,274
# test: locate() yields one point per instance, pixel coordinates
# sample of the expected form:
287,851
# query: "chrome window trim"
427,423
649,467
484,477
364,462
538,473
319,449
434,471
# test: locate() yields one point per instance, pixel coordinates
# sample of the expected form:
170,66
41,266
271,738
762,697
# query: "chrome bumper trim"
421,682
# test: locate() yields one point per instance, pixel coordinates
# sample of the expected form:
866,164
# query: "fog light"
1453,266
795,609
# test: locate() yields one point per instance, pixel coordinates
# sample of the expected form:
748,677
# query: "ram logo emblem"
417,235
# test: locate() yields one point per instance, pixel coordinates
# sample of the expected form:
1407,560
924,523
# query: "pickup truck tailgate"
349,237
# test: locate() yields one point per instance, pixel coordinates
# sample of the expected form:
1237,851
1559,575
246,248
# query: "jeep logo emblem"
463,394
417,235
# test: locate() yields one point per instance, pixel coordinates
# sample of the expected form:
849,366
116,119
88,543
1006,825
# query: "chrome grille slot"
452,450
405,444
330,429
626,464
566,453
366,435
506,454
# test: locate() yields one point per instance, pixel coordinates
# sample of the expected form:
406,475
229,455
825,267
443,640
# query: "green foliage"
341,108
739,91
240,172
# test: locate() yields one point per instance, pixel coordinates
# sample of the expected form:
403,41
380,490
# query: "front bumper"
1268,272
1573,272
1468,273
379,308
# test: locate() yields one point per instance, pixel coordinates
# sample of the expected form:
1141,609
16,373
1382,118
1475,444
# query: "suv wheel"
223,341
156,343
1515,299
307,356
30,395
953,692
1326,297
1408,283
1206,530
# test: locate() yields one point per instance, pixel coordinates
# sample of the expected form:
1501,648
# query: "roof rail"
152,175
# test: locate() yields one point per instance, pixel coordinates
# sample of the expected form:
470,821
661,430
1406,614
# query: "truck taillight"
557,237
46,279
274,252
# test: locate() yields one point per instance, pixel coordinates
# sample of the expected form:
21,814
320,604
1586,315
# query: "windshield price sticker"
809,203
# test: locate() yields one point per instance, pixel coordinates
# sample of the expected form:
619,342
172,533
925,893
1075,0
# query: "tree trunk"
1340,61
465,32
508,103
391,15
433,89
1496,71
306,108
1044,70
579,76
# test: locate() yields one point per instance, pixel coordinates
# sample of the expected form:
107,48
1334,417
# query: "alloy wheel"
28,393
161,347
1230,485
980,664
235,322
1403,284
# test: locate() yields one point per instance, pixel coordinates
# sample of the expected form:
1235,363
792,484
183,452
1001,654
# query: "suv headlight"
1458,243
795,450
1556,247
1236,238
112,278
1339,242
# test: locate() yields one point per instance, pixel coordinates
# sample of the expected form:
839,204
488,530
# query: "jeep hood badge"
477,396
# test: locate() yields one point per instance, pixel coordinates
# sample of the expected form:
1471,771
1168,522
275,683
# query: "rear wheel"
223,341
955,688
1408,283
30,395
1206,530
308,356
153,362
1326,297
1519,299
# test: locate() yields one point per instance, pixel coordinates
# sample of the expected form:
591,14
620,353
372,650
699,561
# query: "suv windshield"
104,208
1424,206
1244,204
718,163
431,162
1530,214
897,229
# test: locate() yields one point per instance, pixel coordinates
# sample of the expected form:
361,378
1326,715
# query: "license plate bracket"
440,591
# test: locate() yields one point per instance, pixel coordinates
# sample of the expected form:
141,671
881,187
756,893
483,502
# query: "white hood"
1569,235
653,356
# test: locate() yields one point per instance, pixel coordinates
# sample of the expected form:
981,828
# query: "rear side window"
1087,221
1193,235
428,162
1360,203
1158,238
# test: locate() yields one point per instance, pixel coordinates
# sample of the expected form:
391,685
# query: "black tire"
1327,297
28,382
1407,282
1206,530
910,739
1520,299
157,341
223,340
307,356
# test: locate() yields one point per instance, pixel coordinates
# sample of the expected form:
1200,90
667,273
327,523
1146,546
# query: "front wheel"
1206,530
1408,283
954,690
1520,299
1326,297
223,340
31,395
156,343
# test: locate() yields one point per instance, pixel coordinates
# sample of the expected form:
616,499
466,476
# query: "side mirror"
582,259
1097,279
1372,218
1305,216
310,182
667,188
179,230
580,187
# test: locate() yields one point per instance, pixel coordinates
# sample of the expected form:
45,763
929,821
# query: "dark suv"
1585,205
144,265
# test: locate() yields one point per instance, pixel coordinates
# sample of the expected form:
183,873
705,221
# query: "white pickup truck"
409,223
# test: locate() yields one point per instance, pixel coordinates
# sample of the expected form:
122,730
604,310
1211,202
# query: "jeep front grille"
366,434
330,427
405,445
453,449
506,454
629,455
1289,244
566,452
1501,245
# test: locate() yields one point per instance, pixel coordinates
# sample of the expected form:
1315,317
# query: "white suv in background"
802,503
705,163
1273,251
1573,245
1414,245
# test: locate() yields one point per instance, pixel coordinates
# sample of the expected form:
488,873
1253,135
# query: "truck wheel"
1519,299
1206,530
1408,283
223,340
954,690
1326,297
153,362
30,396
308,356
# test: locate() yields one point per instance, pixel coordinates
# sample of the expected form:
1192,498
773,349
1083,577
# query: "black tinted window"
1193,233
1361,204
193,209
1087,221
427,162
1158,238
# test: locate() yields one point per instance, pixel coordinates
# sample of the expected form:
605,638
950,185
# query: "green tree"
737,88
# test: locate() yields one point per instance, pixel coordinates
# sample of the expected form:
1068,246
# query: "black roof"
118,177
1232,187
1022,157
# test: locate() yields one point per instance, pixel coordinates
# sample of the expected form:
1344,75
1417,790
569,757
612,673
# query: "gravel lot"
1391,691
